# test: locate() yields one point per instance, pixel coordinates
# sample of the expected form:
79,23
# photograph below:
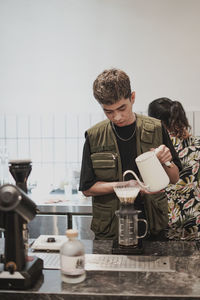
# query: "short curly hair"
111,86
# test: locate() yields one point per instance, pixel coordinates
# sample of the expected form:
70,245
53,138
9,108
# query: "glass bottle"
72,258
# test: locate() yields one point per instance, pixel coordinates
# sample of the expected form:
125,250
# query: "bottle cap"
71,233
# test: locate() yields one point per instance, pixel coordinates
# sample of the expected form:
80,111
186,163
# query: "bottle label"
71,265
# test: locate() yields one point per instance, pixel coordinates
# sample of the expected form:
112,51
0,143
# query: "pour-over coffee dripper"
127,193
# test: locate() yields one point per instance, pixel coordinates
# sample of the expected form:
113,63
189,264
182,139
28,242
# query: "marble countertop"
182,283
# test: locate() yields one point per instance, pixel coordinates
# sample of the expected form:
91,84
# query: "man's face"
120,113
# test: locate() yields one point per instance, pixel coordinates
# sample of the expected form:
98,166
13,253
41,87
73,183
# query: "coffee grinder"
17,270
20,170
128,240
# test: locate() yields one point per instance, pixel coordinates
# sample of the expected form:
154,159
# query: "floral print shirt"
184,196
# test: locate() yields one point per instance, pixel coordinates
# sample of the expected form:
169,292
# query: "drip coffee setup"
129,242
16,210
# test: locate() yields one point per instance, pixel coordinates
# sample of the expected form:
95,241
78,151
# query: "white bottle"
72,258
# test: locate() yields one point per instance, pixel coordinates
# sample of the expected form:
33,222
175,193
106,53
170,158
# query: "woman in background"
184,196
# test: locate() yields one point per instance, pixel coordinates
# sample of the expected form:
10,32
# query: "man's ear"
132,97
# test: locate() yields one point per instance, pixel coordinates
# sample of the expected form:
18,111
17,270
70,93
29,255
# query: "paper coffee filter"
127,192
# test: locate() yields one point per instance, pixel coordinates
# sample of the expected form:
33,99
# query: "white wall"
52,50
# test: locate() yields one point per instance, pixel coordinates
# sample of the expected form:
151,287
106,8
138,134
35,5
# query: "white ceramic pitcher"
151,171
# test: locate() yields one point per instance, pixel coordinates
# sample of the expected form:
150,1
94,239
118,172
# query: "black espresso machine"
17,269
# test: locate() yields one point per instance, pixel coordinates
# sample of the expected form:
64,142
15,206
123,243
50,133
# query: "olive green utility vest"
107,166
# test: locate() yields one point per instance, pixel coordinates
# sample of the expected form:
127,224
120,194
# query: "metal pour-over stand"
128,240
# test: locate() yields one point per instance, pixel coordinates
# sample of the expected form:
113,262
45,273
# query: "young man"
110,149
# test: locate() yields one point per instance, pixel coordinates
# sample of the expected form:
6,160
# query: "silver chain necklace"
119,137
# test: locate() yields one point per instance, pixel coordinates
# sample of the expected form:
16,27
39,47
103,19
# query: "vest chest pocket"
105,166
147,133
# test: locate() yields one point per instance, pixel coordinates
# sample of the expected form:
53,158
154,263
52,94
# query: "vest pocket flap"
149,126
103,160
105,165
